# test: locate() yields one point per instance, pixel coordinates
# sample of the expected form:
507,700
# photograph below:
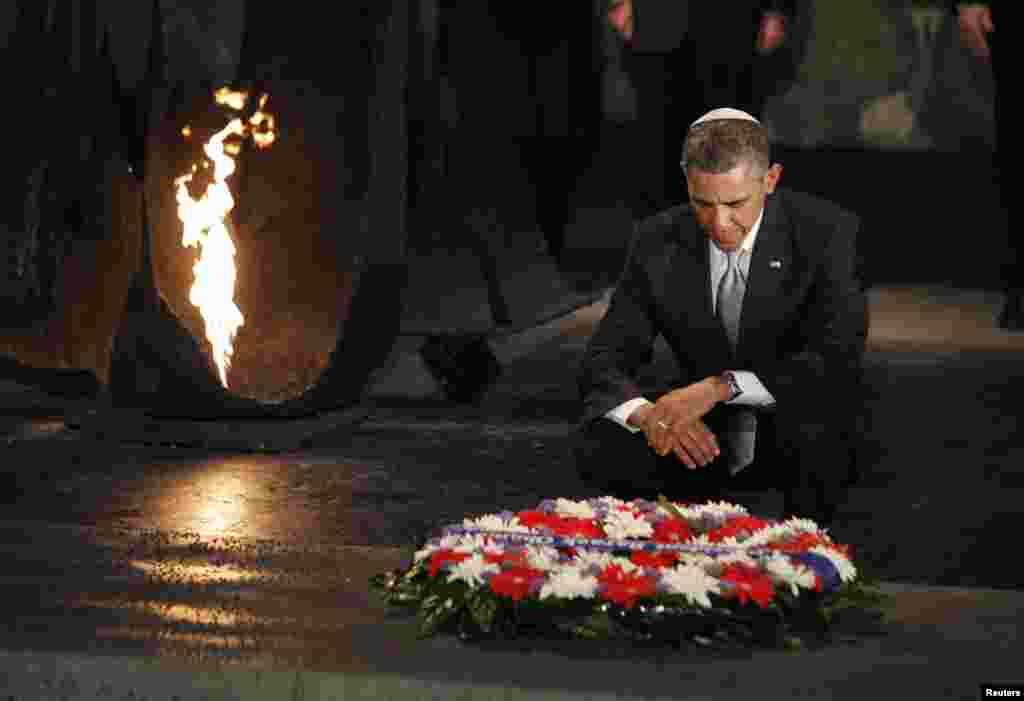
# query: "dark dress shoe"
1012,318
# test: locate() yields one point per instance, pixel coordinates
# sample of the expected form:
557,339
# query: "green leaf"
856,620
793,643
430,601
433,617
483,607
598,624
664,503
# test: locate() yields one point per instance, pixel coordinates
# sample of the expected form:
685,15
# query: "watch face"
734,386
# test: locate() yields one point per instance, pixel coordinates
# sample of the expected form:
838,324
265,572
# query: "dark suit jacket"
804,319
661,25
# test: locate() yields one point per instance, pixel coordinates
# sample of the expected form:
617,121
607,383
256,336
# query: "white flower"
692,582
472,570
774,533
450,541
492,522
543,557
783,570
802,525
570,583
697,559
626,564
594,558
713,509
701,541
847,572
619,525
610,503
574,509
426,552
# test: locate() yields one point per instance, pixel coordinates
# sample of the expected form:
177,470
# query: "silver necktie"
741,423
730,297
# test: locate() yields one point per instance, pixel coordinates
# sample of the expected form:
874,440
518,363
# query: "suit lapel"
688,292
770,268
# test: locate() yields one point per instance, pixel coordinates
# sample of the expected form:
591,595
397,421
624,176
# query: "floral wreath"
660,571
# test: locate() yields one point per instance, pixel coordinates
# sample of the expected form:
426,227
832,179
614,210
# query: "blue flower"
822,567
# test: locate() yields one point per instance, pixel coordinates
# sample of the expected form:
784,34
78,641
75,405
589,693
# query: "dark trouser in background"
1012,316
800,456
672,90
653,179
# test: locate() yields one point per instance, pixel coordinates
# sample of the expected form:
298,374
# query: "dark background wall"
884,115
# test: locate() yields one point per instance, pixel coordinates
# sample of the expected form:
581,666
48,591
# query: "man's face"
727,204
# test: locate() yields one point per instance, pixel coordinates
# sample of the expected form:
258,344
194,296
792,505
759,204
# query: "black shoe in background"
1012,318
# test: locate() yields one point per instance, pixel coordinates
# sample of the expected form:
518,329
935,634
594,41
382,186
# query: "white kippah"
725,113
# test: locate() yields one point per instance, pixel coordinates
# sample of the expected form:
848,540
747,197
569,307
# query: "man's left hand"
772,33
681,407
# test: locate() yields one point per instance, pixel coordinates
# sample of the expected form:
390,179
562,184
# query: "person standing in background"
978,34
681,56
559,114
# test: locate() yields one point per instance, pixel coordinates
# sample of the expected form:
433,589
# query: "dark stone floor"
940,489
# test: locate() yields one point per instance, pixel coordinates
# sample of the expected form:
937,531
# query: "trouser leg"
652,175
814,458
1012,316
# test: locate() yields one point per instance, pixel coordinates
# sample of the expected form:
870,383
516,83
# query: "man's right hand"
975,20
620,16
772,32
692,443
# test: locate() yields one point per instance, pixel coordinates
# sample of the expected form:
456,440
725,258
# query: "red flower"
515,557
846,550
735,526
802,542
749,584
567,526
570,527
515,582
440,557
624,588
535,519
672,530
644,558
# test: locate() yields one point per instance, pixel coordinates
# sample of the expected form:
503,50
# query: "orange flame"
204,225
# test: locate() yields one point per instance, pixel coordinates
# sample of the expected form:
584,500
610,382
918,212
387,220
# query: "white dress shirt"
754,393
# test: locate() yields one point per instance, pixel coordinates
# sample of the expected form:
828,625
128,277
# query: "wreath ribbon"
604,544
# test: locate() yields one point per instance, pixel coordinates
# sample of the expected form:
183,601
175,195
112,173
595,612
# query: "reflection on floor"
938,319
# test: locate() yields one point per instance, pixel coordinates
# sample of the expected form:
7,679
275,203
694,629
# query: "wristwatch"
729,377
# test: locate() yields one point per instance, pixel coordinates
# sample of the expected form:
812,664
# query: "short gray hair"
719,145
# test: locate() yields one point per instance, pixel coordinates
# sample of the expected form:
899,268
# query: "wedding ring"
665,425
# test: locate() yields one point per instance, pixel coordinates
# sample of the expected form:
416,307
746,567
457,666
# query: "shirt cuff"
621,413
754,393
